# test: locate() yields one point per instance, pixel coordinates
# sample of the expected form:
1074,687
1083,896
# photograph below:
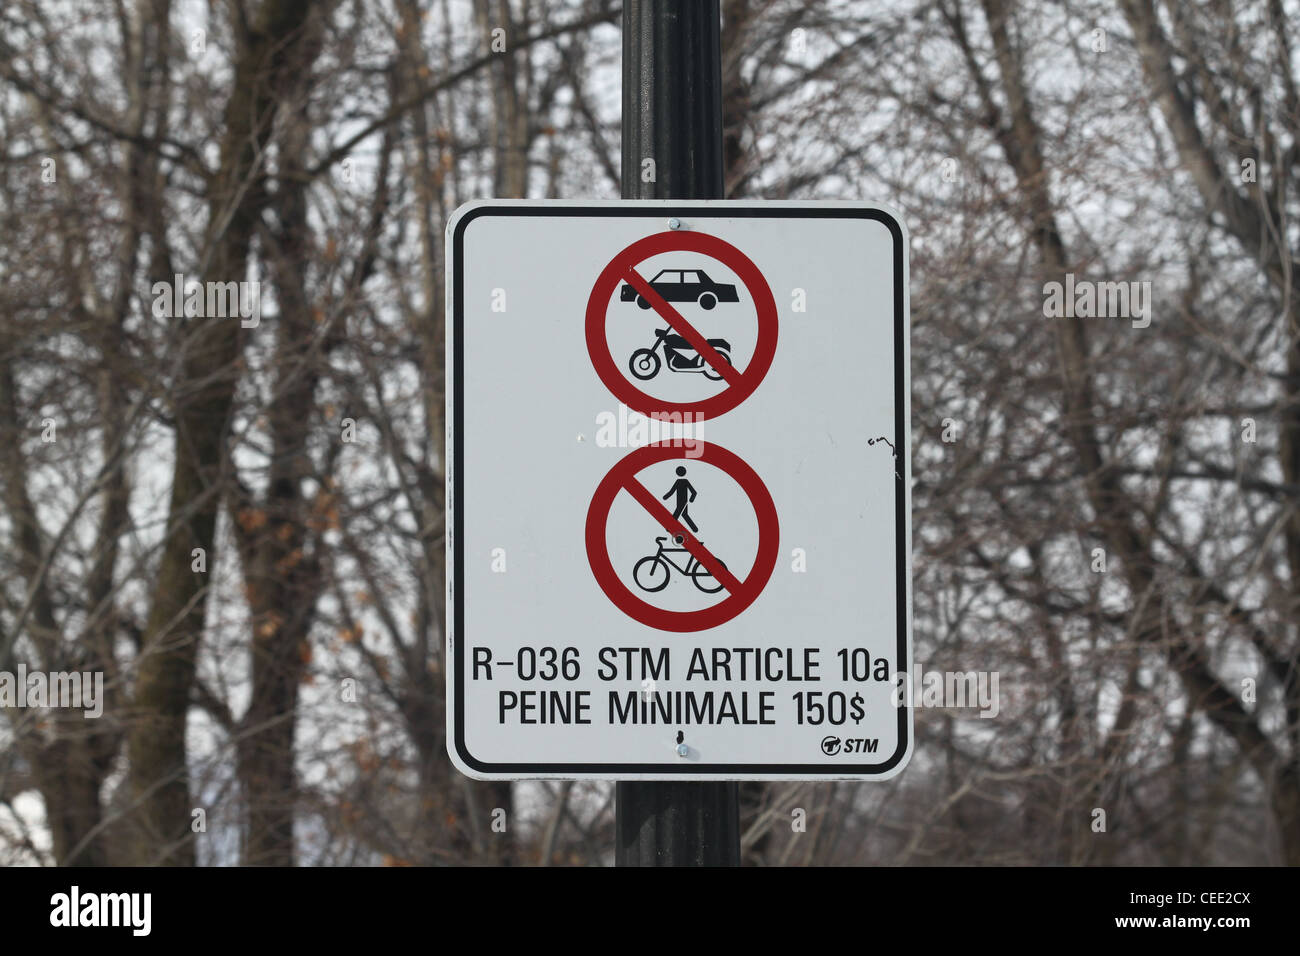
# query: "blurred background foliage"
318,146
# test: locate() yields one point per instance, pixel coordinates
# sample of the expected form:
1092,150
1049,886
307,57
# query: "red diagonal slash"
702,554
683,328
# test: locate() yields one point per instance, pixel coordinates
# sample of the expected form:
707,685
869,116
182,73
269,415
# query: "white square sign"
678,480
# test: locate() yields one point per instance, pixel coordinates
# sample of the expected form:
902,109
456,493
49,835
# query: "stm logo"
850,745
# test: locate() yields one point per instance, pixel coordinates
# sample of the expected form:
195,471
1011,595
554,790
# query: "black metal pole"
672,116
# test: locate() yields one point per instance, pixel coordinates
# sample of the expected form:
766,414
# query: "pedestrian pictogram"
684,493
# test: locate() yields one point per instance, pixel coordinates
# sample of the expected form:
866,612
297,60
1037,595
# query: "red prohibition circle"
621,268
742,593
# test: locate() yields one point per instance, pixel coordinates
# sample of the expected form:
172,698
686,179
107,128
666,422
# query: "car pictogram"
684,285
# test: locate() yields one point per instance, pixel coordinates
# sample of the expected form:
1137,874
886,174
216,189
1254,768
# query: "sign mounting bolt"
683,750
674,223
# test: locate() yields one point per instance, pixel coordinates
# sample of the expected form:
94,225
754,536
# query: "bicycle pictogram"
653,572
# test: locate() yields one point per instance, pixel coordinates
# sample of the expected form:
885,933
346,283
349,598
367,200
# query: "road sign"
678,491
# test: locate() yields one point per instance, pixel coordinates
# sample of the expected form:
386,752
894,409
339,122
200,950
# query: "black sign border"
614,771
